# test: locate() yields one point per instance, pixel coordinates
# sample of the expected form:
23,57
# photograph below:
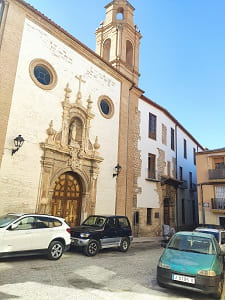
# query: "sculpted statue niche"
75,133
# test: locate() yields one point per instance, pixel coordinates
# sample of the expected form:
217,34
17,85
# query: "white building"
167,185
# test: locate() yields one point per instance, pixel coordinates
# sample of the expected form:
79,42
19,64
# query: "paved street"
109,275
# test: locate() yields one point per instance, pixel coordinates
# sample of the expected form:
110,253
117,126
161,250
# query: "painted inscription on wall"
62,53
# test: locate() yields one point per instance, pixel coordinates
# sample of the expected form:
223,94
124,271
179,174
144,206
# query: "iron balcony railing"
193,187
217,173
218,203
183,185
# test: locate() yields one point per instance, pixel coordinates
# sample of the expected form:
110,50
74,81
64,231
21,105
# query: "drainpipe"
176,177
203,208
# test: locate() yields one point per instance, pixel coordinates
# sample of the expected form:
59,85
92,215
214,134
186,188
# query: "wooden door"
67,197
167,211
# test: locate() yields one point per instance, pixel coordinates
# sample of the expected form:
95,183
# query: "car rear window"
216,234
45,222
190,243
123,222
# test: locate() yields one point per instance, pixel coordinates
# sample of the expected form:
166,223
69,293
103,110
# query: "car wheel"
92,248
218,294
162,285
55,250
124,244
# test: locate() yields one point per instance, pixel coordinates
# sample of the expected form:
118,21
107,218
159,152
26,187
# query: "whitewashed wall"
33,108
149,196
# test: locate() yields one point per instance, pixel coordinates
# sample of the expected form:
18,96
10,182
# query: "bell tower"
118,39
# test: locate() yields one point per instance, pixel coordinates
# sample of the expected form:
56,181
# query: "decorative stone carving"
70,149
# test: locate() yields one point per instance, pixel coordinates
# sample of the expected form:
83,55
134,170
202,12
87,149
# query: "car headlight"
209,273
162,265
84,235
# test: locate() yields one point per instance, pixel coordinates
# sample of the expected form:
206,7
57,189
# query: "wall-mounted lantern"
117,170
18,142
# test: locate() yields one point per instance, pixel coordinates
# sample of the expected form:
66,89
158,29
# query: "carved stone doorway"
67,198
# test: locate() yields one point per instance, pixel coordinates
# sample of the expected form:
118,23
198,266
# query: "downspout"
203,209
176,177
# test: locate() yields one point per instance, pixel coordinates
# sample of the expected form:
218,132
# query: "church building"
78,137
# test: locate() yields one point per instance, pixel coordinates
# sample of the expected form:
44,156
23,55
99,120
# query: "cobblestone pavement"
109,275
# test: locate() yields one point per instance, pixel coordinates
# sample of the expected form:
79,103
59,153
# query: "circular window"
43,74
106,107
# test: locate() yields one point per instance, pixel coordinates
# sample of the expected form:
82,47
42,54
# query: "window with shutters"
152,126
185,148
172,139
149,216
151,166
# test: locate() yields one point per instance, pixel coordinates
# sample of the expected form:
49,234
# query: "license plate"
183,278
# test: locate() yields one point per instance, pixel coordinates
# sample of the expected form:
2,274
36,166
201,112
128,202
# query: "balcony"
218,203
193,187
216,173
183,185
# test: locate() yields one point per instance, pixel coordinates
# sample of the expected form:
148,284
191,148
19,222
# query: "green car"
192,260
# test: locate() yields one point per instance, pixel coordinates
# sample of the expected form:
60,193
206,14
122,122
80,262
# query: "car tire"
219,292
124,244
162,285
55,250
92,248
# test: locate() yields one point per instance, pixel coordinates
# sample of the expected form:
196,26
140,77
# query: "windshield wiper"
194,251
174,248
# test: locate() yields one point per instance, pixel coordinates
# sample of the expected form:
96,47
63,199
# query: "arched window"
120,14
129,53
106,49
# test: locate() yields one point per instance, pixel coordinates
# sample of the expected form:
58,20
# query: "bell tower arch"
118,39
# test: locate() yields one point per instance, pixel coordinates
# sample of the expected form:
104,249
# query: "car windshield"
191,243
98,221
7,219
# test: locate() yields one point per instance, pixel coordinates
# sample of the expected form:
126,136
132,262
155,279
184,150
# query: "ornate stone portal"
70,151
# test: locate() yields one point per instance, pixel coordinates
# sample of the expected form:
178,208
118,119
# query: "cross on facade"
80,81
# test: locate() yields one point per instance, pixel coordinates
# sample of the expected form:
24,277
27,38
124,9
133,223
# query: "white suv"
27,234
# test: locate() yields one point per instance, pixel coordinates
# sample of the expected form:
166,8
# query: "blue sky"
182,55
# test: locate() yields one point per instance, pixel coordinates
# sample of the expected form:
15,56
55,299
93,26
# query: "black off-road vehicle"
99,232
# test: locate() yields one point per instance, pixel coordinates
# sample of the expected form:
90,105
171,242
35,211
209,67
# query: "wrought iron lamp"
18,142
117,170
